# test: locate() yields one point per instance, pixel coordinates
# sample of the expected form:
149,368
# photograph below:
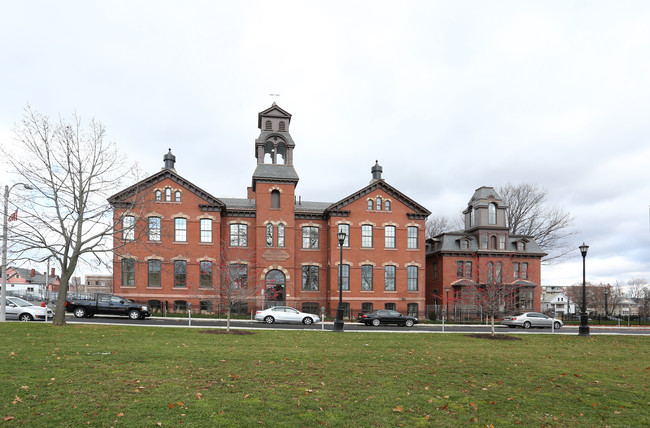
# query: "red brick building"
177,240
483,262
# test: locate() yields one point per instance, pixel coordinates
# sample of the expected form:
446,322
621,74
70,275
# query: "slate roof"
279,172
38,278
450,241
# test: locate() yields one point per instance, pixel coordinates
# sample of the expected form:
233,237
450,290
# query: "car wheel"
527,324
269,319
26,317
134,314
409,323
79,312
557,325
376,322
307,321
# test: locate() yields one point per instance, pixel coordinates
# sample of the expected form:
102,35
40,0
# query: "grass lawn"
144,376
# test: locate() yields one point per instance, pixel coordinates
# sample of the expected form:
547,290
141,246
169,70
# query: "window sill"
180,242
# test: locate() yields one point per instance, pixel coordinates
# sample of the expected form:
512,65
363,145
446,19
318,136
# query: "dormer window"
464,244
282,127
521,246
492,213
267,126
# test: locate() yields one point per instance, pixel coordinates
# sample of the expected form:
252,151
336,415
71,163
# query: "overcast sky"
447,96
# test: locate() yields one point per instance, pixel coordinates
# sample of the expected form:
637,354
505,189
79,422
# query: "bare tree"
496,289
440,224
636,287
529,214
234,288
71,170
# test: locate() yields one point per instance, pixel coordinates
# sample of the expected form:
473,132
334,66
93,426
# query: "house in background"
176,240
30,284
466,267
97,284
555,302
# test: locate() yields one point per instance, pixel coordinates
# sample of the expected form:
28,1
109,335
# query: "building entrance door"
274,289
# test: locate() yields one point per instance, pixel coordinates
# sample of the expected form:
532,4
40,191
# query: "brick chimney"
52,274
33,273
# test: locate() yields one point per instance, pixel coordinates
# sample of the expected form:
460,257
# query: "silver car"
285,314
19,309
531,319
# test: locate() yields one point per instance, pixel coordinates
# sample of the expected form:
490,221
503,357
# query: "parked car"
386,316
285,314
531,319
108,304
19,309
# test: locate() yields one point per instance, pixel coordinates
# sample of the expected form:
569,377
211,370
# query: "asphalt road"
350,327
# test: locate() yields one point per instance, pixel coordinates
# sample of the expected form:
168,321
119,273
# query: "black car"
386,316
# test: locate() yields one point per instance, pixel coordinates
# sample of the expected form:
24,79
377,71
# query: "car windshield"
19,302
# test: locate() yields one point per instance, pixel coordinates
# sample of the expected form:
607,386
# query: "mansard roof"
419,212
449,242
123,197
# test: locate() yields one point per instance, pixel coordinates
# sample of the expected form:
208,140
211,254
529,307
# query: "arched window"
177,196
282,128
492,213
275,199
158,195
370,204
280,235
267,125
168,195
472,217
378,203
269,235
493,242
387,206
497,273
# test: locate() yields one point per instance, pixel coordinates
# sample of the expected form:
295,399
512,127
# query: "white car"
531,319
19,309
285,314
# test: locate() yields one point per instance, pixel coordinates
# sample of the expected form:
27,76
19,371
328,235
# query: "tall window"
378,205
280,235
309,237
310,278
502,242
366,236
524,270
435,270
412,278
389,237
490,273
345,228
205,274
177,196
168,194
239,275
267,125
370,204
128,273
484,241
154,273
269,235
180,229
468,269
344,271
498,272
459,269
412,237
387,206
180,274
206,230
472,217
366,307
366,277
154,228
128,228
412,310
158,195
515,270
492,213
275,199
493,242
281,127
389,278
238,235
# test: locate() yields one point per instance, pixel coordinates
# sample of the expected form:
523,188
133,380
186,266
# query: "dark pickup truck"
107,304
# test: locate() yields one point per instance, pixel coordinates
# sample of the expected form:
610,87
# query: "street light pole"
447,300
338,324
583,330
606,293
5,216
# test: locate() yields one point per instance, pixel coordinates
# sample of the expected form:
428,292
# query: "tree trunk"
493,325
